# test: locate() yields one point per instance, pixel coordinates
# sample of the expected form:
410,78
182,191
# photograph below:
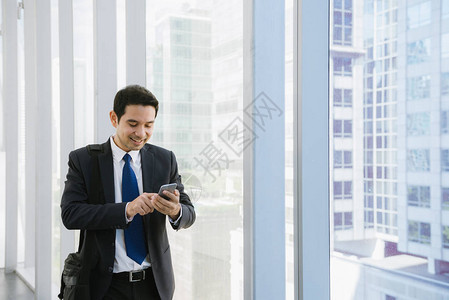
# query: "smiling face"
134,128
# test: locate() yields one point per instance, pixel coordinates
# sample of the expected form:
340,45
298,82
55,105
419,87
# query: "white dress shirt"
122,262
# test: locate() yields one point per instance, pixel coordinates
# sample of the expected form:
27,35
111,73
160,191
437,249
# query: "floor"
13,288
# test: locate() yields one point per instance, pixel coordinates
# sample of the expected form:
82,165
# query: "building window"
445,237
419,232
445,45
445,83
343,221
445,122
418,195
342,159
418,51
342,190
418,160
418,124
343,128
342,98
369,218
343,22
445,160
342,66
418,87
419,15
445,198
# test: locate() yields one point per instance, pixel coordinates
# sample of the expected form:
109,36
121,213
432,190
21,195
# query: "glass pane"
397,132
22,220
83,74
195,69
2,158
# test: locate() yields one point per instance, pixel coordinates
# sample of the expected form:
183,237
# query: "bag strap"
95,194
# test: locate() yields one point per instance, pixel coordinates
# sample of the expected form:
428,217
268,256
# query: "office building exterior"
388,147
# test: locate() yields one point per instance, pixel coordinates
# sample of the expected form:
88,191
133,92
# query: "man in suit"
132,259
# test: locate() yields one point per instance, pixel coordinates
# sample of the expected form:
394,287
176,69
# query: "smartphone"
167,187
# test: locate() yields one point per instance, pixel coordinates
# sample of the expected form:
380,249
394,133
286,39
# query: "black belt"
132,276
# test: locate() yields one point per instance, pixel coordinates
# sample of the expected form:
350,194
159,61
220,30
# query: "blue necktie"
134,235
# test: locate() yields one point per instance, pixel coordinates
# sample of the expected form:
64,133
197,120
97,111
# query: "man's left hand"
170,207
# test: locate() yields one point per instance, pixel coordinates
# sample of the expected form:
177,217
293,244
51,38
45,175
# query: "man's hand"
142,205
170,207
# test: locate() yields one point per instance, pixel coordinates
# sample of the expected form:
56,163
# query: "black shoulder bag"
77,266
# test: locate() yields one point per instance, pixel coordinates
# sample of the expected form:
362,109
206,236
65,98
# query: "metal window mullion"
268,150
10,117
135,42
44,151
311,165
248,169
105,62
67,108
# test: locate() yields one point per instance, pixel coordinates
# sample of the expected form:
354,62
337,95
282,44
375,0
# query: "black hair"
133,95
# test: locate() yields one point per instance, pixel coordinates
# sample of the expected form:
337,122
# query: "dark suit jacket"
158,167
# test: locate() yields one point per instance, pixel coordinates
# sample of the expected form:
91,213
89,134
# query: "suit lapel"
107,172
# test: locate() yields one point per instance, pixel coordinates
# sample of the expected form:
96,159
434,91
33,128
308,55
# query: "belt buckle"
131,279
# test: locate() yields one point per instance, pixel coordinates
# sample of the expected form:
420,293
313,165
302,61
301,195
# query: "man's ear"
114,118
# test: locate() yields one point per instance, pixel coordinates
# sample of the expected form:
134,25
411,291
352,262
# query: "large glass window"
418,51
445,160
445,198
445,9
83,71
342,66
418,160
342,190
342,159
445,45
399,152
445,236
195,69
419,232
419,15
343,128
418,124
445,122
2,158
342,17
343,221
418,196
418,87
342,97
445,83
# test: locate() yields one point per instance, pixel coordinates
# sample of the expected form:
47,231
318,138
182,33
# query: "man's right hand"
141,205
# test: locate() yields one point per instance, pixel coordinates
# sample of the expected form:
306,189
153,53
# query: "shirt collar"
117,153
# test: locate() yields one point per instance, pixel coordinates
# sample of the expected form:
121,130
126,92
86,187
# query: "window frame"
311,157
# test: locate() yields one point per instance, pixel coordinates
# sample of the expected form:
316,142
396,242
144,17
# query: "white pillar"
10,117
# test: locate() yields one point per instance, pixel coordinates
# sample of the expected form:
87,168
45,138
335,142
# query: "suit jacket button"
110,269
